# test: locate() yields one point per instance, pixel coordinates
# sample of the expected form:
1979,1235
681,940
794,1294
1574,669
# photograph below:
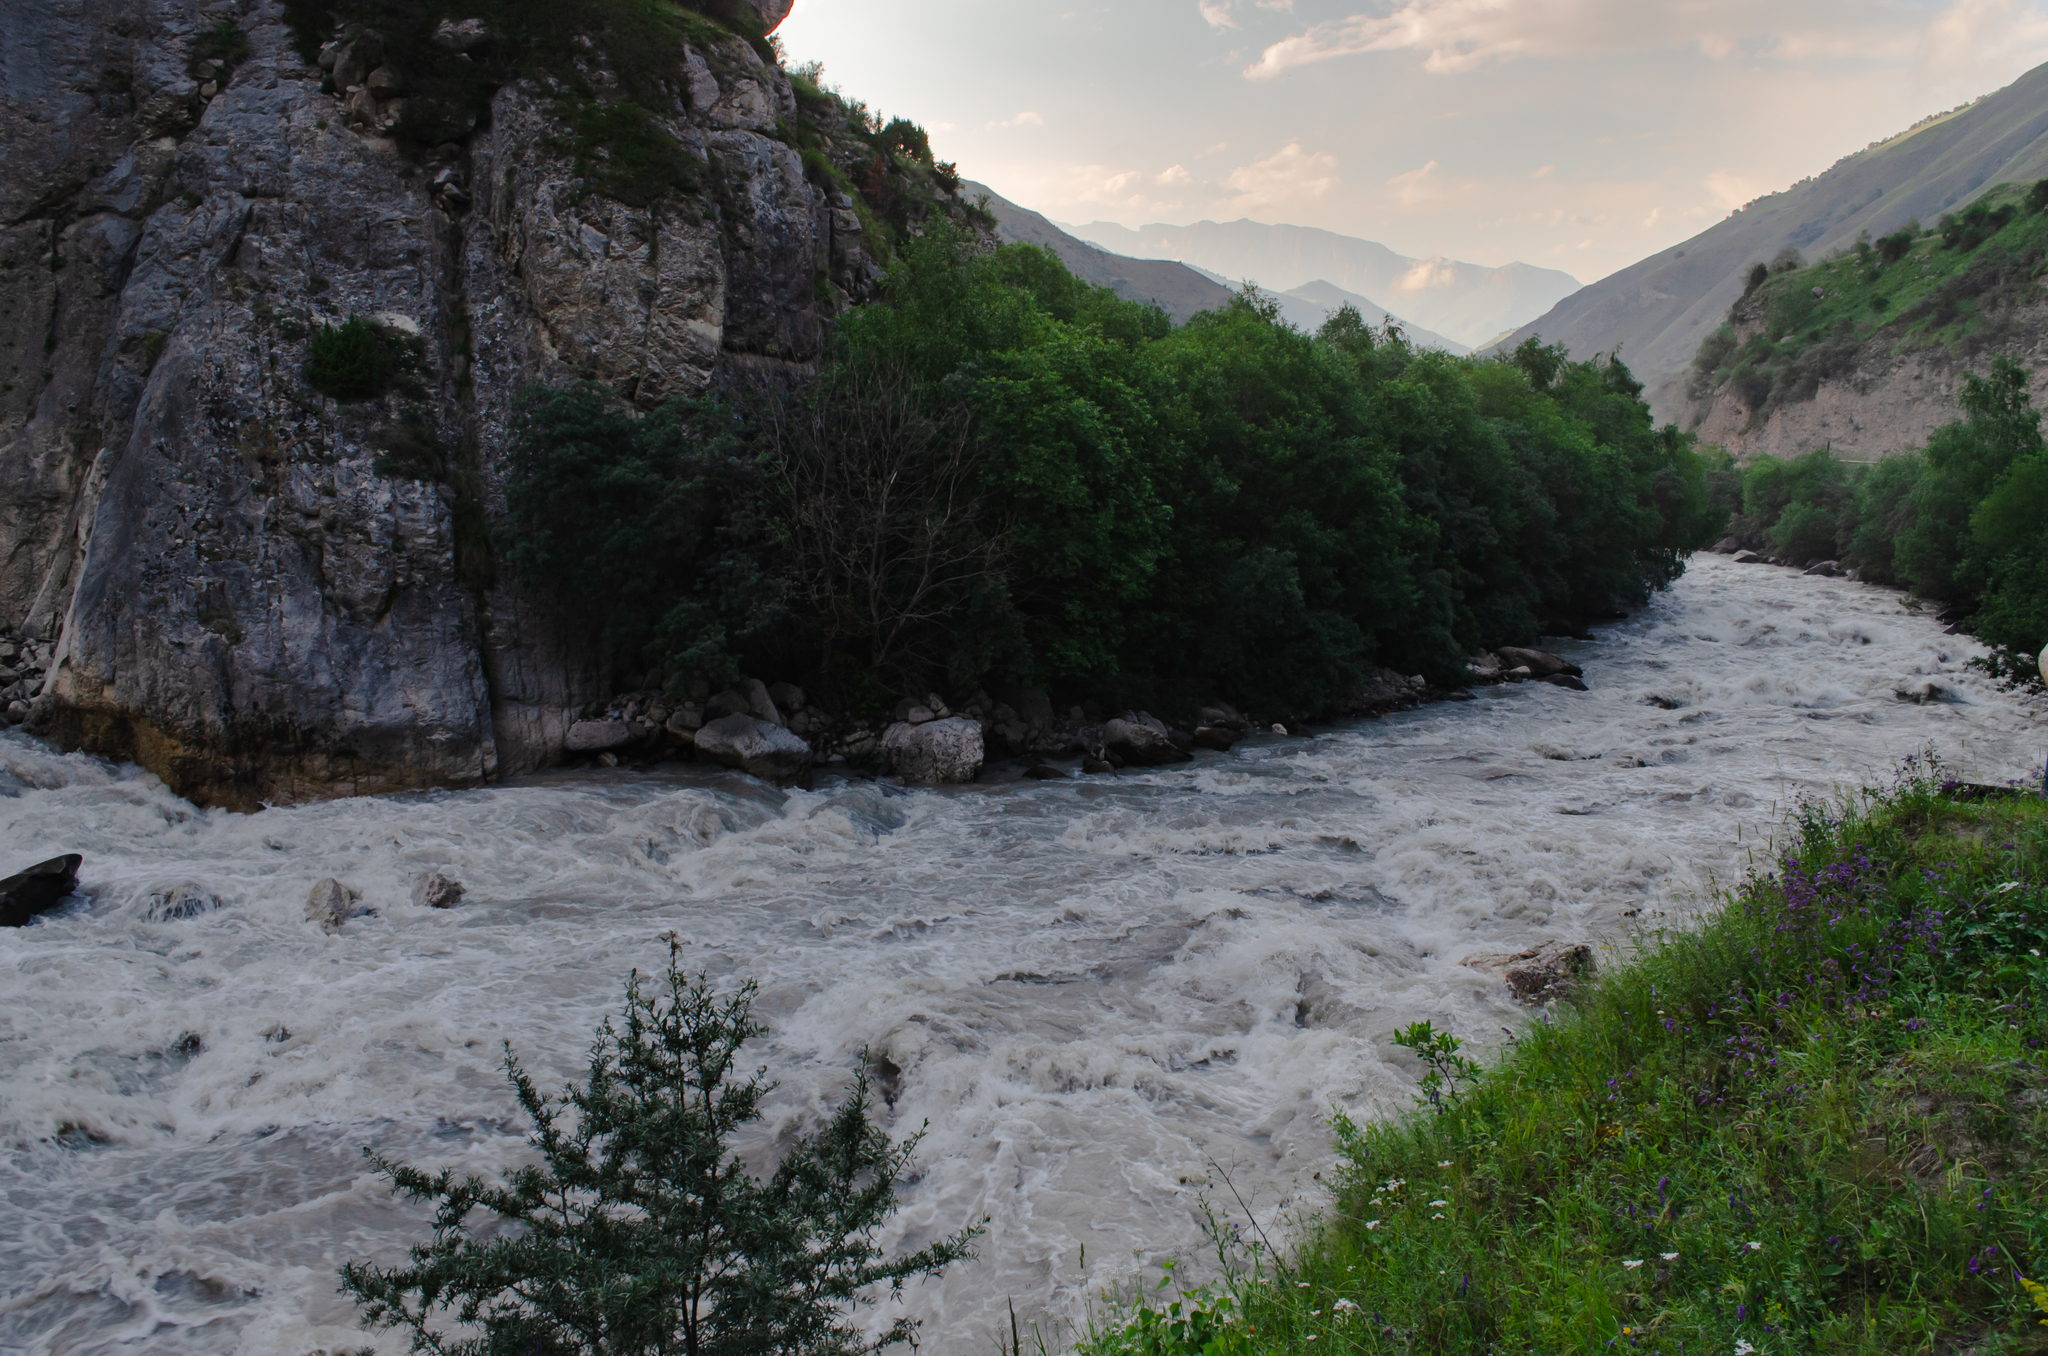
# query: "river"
1097,992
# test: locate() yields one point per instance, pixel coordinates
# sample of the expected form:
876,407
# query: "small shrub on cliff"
355,361
640,1231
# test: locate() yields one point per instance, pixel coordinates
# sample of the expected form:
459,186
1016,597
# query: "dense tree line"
1005,474
1964,522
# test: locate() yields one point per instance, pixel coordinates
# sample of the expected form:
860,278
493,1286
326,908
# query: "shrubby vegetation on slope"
1958,286
1964,522
1816,1122
1089,498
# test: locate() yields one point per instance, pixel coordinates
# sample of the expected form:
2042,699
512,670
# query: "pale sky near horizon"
1575,134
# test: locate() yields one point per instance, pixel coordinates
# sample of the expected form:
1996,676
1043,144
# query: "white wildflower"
1669,1256
1372,1224
1632,1263
1445,1164
1438,1215
1343,1304
1439,1202
1756,1247
1743,1348
1301,1285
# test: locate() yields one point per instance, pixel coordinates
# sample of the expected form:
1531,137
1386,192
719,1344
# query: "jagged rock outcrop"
266,595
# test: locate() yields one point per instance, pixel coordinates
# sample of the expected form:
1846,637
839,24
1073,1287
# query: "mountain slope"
1324,297
1468,302
1659,310
1174,288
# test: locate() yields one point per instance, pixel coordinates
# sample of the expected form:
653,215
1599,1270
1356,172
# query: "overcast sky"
1578,134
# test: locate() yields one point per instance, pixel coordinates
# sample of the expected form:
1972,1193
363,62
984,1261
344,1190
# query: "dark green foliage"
646,530
640,1231
1129,511
622,152
1974,225
355,361
1758,275
1811,1121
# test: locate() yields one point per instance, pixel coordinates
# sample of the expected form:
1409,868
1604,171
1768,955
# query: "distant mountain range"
1659,310
1175,288
1180,289
1471,303
1306,308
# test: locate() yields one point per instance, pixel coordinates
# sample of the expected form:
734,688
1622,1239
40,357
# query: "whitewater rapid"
1097,992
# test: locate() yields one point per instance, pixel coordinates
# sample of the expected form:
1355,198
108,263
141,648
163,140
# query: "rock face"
1546,970
38,889
766,751
1142,740
436,891
330,904
1540,663
1886,398
934,752
263,594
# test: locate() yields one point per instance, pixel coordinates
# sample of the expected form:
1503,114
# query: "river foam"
1097,992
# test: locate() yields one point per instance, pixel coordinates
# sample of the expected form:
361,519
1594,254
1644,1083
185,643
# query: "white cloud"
1459,35
1425,275
1289,175
1174,174
1217,12
1025,119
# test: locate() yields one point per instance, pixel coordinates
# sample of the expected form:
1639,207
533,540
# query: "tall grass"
1817,1121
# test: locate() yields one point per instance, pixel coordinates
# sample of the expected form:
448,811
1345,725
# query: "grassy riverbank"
1818,1122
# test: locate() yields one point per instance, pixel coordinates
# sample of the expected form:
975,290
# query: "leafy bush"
640,1231
1974,225
1894,247
354,361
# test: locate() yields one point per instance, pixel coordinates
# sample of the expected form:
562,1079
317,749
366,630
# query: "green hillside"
1959,285
1659,309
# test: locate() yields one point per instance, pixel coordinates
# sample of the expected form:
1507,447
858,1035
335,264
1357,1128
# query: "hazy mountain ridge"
1178,290
1659,310
1469,303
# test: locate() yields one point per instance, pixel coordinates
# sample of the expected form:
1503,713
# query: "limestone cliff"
263,594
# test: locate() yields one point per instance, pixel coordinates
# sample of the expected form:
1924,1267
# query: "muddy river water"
1095,991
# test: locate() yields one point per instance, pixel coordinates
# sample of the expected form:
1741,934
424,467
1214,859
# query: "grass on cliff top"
1816,1122
1956,285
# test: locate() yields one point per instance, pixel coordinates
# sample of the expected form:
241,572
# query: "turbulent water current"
1098,992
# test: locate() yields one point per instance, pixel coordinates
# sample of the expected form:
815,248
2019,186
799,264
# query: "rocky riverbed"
1099,990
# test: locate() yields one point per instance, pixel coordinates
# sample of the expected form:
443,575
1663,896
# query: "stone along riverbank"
1096,990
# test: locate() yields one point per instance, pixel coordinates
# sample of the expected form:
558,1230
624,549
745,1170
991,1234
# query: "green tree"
640,1231
1965,462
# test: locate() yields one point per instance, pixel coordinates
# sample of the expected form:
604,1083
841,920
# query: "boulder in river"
1549,969
1826,569
1540,663
1142,740
167,903
755,747
330,904
1217,737
1565,680
1748,558
38,889
935,752
436,891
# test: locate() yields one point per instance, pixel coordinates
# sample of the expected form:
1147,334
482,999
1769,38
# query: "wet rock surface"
37,889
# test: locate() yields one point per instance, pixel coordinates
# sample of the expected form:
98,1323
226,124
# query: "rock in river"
1540,663
1548,969
935,752
25,894
1142,740
755,747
